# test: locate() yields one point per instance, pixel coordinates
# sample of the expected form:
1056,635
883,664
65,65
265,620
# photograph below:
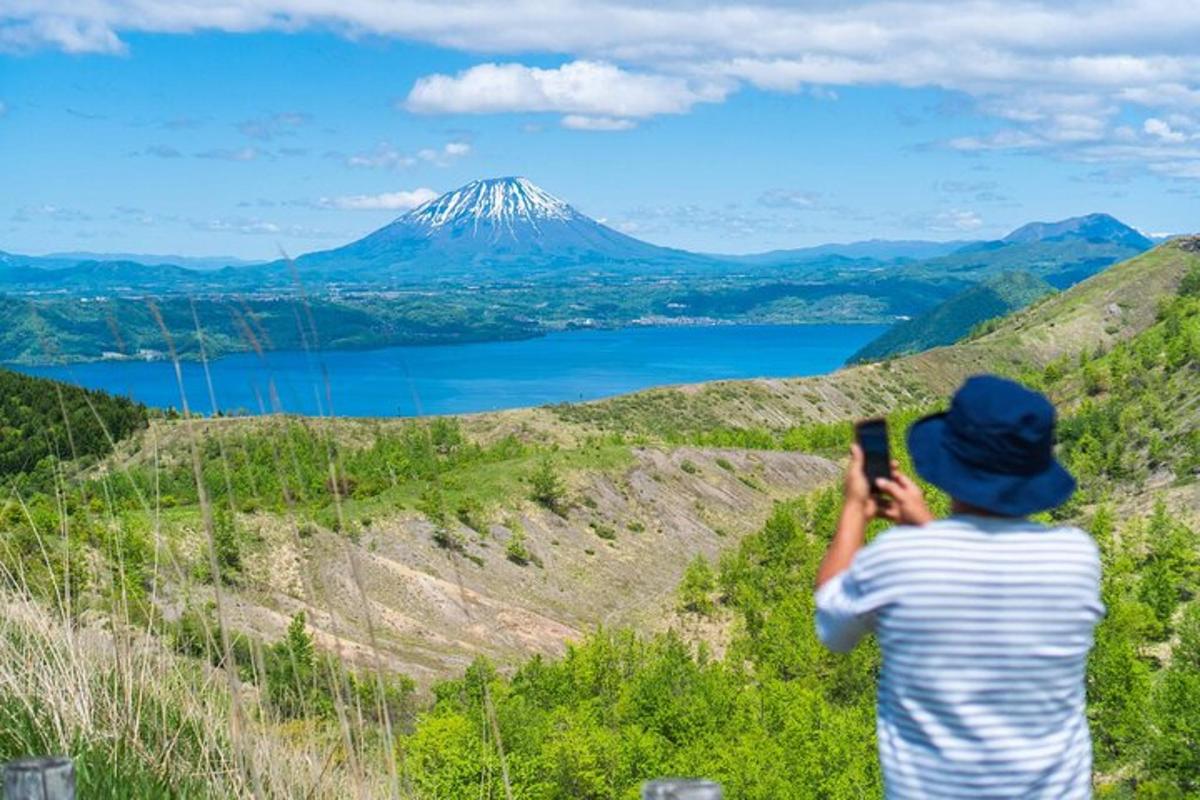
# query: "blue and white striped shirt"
985,626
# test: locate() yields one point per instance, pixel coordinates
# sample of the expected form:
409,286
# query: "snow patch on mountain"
504,206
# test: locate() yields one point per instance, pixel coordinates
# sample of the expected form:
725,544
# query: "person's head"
993,451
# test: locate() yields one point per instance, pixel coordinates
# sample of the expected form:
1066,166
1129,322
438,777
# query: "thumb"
856,454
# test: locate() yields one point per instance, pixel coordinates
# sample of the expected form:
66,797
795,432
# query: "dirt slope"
614,557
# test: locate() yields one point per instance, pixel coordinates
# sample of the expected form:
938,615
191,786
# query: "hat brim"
1005,494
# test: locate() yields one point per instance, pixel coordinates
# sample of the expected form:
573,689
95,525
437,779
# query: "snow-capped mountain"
498,208
499,227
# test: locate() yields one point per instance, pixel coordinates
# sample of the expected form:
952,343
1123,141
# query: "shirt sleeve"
1096,606
845,609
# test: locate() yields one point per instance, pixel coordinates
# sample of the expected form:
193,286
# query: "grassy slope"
631,518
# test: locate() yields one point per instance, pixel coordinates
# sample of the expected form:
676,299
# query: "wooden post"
50,778
681,789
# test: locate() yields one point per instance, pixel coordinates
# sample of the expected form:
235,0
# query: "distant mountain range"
510,229
191,262
869,250
503,258
65,260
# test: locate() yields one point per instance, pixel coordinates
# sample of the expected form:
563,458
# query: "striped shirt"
985,626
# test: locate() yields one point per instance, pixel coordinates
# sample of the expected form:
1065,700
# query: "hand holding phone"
872,437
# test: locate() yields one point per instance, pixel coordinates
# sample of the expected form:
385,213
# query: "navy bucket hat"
993,449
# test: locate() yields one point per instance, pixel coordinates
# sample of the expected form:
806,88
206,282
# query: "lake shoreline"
559,367
656,323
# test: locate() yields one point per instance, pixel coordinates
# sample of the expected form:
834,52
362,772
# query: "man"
985,618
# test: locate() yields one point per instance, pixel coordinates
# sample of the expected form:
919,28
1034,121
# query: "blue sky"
169,128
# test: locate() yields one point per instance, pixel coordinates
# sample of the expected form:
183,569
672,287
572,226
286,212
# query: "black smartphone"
872,437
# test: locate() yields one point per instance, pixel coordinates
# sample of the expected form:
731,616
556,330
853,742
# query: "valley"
499,260
587,593
455,400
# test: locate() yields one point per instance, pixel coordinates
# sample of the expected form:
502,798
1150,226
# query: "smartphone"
872,437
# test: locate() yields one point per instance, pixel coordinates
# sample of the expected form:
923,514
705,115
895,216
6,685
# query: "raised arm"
858,508
904,504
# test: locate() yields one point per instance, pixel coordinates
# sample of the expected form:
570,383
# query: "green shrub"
546,487
517,551
603,530
696,588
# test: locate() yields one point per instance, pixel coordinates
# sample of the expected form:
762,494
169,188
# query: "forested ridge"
947,322
41,418
735,688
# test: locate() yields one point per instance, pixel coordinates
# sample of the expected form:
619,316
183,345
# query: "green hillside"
41,418
950,321
291,607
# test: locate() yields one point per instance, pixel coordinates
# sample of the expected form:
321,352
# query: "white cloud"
789,198
50,211
250,226
1162,130
254,226
730,220
581,122
389,201
388,156
1171,95
443,155
384,155
580,89
1188,170
1073,128
955,221
1005,139
58,25
1062,80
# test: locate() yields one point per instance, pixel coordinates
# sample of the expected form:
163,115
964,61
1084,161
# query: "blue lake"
561,367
